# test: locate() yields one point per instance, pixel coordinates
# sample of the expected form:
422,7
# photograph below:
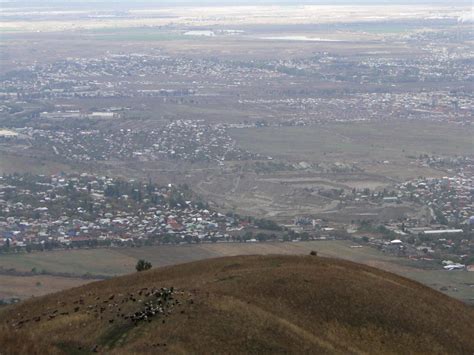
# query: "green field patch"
135,34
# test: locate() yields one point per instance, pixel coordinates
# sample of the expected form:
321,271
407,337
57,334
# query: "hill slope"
259,304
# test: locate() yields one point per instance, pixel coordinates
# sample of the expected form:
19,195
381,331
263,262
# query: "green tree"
143,265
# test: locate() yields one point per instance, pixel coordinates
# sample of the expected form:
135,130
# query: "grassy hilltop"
245,304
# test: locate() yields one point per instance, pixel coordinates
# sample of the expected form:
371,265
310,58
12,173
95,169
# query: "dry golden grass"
21,342
249,304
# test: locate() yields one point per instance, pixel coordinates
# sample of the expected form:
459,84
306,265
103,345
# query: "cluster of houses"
457,164
78,114
435,64
126,75
434,106
156,75
189,140
450,198
430,245
449,234
8,134
42,212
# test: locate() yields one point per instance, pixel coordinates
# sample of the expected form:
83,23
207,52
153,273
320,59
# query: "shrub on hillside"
143,265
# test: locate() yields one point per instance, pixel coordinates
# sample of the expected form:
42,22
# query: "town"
41,213
50,212
188,140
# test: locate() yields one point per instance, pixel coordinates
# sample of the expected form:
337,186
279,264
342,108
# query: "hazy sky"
132,3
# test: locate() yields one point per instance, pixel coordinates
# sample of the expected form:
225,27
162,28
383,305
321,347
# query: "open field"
136,35
112,262
359,142
16,163
23,287
107,262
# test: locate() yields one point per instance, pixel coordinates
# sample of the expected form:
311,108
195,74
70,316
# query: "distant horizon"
128,3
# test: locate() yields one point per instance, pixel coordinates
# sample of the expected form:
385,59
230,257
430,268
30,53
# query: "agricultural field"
105,262
367,144
134,34
23,287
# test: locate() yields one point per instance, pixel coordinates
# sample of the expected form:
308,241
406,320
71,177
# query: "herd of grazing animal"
162,302
142,305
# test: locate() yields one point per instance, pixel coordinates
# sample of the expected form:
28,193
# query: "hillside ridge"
243,304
